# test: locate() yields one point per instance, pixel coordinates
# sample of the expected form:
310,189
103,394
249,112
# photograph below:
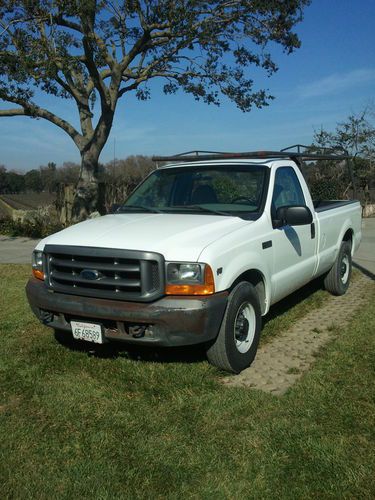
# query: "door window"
287,190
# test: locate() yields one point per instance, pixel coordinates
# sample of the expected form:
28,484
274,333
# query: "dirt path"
16,250
282,361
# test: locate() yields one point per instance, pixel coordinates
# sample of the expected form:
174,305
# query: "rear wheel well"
348,236
256,278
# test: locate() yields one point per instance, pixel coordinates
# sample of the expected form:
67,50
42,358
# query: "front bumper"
169,321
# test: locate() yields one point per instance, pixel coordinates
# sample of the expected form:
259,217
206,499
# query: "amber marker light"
37,265
38,274
199,279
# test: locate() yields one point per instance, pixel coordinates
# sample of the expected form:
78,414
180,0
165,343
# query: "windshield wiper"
204,209
140,207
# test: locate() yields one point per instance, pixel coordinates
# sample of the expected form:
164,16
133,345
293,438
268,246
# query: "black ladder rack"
297,153
292,152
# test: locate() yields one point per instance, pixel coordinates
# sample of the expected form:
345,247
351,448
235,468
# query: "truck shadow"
188,354
364,271
293,299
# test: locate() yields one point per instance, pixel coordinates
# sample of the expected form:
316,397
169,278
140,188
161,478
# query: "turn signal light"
38,274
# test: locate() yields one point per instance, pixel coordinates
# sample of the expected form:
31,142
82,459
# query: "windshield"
224,190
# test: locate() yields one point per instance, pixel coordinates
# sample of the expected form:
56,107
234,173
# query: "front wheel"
237,342
338,279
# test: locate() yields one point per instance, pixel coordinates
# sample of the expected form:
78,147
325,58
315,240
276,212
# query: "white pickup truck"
196,255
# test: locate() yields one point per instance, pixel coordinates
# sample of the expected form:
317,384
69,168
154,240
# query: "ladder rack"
292,152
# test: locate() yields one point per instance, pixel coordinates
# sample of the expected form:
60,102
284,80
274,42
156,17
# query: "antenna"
114,156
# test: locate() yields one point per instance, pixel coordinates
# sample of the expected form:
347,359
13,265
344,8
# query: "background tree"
97,50
15,183
356,137
33,181
3,179
49,177
121,176
68,173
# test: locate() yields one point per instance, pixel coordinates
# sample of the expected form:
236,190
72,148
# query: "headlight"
185,278
37,264
184,273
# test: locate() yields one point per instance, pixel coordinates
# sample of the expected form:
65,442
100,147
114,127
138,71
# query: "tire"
236,345
338,279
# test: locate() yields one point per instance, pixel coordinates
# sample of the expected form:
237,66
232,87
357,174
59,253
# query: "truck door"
294,247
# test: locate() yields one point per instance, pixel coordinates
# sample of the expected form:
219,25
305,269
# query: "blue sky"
330,76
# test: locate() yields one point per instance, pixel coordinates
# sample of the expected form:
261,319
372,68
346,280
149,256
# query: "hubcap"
344,269
244,327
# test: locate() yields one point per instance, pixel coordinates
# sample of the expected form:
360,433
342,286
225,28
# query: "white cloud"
336,83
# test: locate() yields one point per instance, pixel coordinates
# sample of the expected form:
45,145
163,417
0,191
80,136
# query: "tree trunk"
88,197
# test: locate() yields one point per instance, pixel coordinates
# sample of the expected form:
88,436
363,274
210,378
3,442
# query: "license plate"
87,331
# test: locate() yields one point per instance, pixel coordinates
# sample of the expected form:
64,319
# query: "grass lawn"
73,425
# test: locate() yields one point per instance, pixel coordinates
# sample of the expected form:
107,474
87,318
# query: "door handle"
312,230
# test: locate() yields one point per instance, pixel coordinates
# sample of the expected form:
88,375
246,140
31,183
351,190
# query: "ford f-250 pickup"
196,255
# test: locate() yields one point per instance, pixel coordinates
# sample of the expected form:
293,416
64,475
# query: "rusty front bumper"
169,321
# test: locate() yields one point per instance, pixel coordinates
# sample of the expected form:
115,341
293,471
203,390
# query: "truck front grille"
105,273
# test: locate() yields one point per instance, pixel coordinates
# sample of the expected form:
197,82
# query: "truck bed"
322,205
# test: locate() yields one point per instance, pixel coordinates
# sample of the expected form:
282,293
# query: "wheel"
237,342
338,279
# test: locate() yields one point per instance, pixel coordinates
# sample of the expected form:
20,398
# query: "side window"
287,190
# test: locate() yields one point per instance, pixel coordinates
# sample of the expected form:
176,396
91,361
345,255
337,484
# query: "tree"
98,50
68,173
49,177
122,176
15,183
356,137
33,181
3,179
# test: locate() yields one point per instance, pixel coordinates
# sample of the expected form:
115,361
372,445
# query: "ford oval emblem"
90,274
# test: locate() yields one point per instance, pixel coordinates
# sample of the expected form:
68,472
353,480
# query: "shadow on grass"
186,354
365,271
295,298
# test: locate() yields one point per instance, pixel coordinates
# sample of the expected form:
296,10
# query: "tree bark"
88,197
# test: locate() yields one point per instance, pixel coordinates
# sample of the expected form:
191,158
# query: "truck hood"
176,236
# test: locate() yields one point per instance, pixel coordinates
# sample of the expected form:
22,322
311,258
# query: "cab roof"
232,162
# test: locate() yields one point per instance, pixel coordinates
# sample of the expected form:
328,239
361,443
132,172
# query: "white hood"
176,236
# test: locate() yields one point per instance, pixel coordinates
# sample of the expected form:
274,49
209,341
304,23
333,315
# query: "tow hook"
137,331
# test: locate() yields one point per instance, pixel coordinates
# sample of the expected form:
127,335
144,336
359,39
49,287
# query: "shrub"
35,224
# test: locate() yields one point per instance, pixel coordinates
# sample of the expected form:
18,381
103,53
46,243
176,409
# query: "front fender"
230,266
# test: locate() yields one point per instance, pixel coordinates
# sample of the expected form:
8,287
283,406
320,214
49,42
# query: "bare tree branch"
34,111
12,112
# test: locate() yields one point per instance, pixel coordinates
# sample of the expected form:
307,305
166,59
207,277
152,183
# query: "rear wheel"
237,342
338,279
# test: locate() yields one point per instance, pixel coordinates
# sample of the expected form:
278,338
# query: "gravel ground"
282,361
16,250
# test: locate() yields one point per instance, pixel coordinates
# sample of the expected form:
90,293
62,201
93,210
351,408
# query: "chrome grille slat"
56,275
81,264
121,274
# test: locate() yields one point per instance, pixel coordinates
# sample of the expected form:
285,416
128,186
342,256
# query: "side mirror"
293,216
